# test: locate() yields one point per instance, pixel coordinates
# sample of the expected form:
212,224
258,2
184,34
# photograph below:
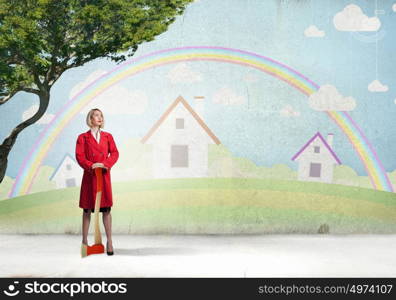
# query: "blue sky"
254,129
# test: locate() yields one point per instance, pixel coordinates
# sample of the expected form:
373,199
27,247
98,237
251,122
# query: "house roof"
57,168
193,113
324,142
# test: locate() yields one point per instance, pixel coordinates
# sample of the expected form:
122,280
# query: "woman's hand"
98,165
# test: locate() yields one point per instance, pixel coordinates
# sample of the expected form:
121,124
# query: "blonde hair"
89,118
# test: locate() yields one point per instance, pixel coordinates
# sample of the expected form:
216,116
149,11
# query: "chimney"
199,106
329,140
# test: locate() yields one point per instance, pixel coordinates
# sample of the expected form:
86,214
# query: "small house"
316,159
68,173
180,140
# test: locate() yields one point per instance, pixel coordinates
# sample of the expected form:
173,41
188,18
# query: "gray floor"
202,256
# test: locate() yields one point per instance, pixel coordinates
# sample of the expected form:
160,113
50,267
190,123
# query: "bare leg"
107,226
85,226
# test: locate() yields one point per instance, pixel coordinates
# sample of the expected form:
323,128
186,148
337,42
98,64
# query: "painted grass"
216,205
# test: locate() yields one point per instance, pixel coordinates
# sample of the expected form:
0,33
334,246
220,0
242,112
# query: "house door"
70,182
315,170
179,156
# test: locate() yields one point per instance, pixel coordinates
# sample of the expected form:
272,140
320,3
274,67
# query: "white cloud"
227,97
328,98
119,100
27,114
352,18
288,111
394,7
313,31
182,73
115,100
376,86
395,101
90,78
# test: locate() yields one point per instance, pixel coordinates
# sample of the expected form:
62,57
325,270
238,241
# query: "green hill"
211,205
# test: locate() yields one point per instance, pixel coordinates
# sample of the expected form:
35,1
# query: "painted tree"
41,39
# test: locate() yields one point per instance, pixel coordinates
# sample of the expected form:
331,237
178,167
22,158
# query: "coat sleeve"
80,155
113,157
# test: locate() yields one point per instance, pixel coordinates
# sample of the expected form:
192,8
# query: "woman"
96,149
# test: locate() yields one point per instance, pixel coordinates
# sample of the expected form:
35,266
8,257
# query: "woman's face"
96,118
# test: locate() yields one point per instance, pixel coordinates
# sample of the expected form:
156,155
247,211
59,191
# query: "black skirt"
102,209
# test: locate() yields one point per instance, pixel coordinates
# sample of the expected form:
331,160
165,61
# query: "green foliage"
347,176
222,163
40,39
42,183
136,163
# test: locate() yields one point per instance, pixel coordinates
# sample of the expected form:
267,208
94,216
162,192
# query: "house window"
179,156
316,149
179,123
68,167
314,170
70,182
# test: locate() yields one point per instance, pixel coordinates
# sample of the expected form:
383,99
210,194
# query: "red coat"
88,152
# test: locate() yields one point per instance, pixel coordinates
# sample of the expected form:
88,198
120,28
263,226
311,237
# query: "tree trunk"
9,142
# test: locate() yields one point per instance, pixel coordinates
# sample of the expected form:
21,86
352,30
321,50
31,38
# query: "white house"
316,159
67,174
180,140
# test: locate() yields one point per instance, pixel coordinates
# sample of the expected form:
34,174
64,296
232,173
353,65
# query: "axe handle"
99,184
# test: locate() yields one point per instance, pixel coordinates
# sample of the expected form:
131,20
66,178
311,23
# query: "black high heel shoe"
109,252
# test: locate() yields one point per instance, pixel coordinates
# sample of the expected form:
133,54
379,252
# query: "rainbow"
30,166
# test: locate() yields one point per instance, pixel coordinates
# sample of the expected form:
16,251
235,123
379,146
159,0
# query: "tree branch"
9,142
6,98
30,90
37,81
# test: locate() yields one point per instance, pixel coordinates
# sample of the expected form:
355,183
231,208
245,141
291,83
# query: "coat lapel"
93,141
